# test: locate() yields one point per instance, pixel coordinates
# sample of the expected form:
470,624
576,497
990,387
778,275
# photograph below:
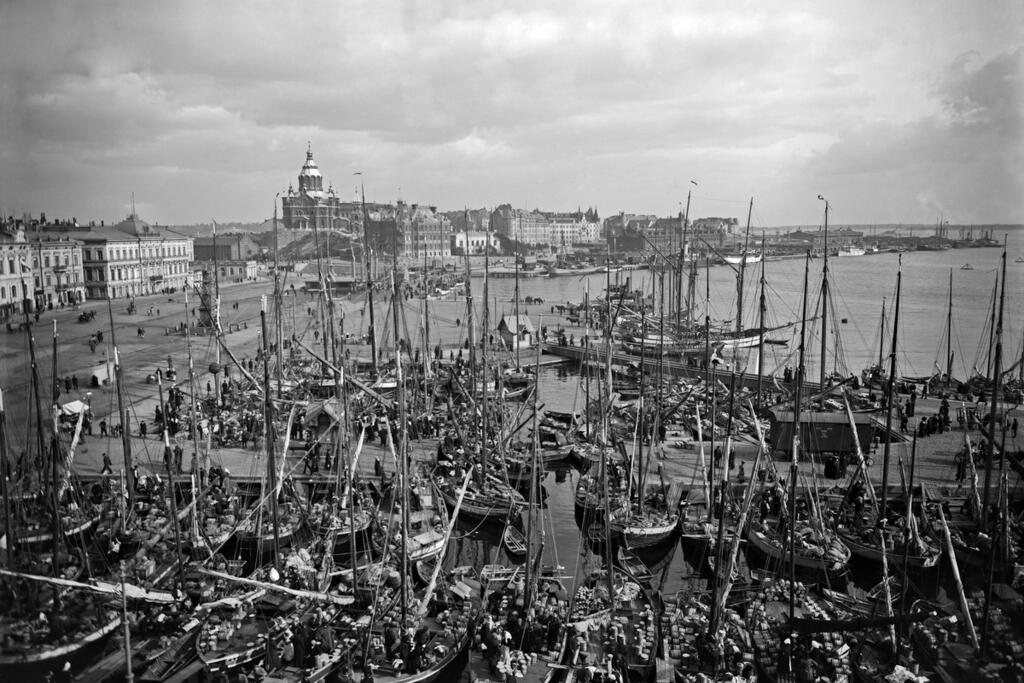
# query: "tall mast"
793,468
881,336
483,359
279,339
469,313
824,302
403,446
197,464
949,333
122,409
268,433
172,497
888,395
996,371
742,272
54,473
5,469
682,255
516,303
369,277
762,309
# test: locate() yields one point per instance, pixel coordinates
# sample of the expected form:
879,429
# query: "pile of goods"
828,654
685,640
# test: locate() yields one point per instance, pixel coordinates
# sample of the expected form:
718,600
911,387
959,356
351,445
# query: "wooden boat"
236,633
633,566
813,553
491,500
34,655
597,626
514,542
642,530
692,653
920,556
173,658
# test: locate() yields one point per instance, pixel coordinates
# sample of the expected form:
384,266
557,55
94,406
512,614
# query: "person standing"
1013,428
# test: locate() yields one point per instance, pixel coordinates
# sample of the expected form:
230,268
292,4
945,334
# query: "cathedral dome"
310,180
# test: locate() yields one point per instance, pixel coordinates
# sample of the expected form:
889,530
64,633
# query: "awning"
73,408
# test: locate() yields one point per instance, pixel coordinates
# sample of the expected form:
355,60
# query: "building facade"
311,207
425,232
15,270
57,270
132,258
477,241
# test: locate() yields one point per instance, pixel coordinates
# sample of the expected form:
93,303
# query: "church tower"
310,207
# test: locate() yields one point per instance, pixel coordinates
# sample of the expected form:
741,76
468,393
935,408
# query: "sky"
896,112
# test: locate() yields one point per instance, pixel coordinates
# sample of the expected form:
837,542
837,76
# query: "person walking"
108,466
103,427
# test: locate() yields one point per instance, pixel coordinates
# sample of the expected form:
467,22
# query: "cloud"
206,108
963,161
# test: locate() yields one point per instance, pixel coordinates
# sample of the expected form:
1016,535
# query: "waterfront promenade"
142,355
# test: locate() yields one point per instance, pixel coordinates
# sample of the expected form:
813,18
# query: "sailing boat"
48,622
811,545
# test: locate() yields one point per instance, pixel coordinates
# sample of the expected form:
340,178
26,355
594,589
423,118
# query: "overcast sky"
896,111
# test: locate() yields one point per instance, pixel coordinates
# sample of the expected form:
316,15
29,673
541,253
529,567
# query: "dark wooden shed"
820,432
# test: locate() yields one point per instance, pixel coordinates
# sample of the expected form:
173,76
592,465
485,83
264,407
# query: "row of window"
136,252
132,272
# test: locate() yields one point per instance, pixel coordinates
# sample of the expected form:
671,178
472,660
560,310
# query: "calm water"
858,285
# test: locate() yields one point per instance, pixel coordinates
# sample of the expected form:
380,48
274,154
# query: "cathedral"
311,207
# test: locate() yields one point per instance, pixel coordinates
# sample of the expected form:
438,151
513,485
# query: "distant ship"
967,266
737,259
851,250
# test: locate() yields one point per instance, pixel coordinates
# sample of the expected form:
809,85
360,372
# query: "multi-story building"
39,265
567,229
132,258
15,269
527,227
477,241
311,207
57,270
478,220
425,232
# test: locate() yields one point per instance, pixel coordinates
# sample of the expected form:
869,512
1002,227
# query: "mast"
279,339
721,578
682,256
762,309
881,336
949,333
793,468
483,359
742,272
122,409
996,371
888,396
197,464
5,470
516,303
54,472
824,303
469,313
172,496
268,434
403,446
369,278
